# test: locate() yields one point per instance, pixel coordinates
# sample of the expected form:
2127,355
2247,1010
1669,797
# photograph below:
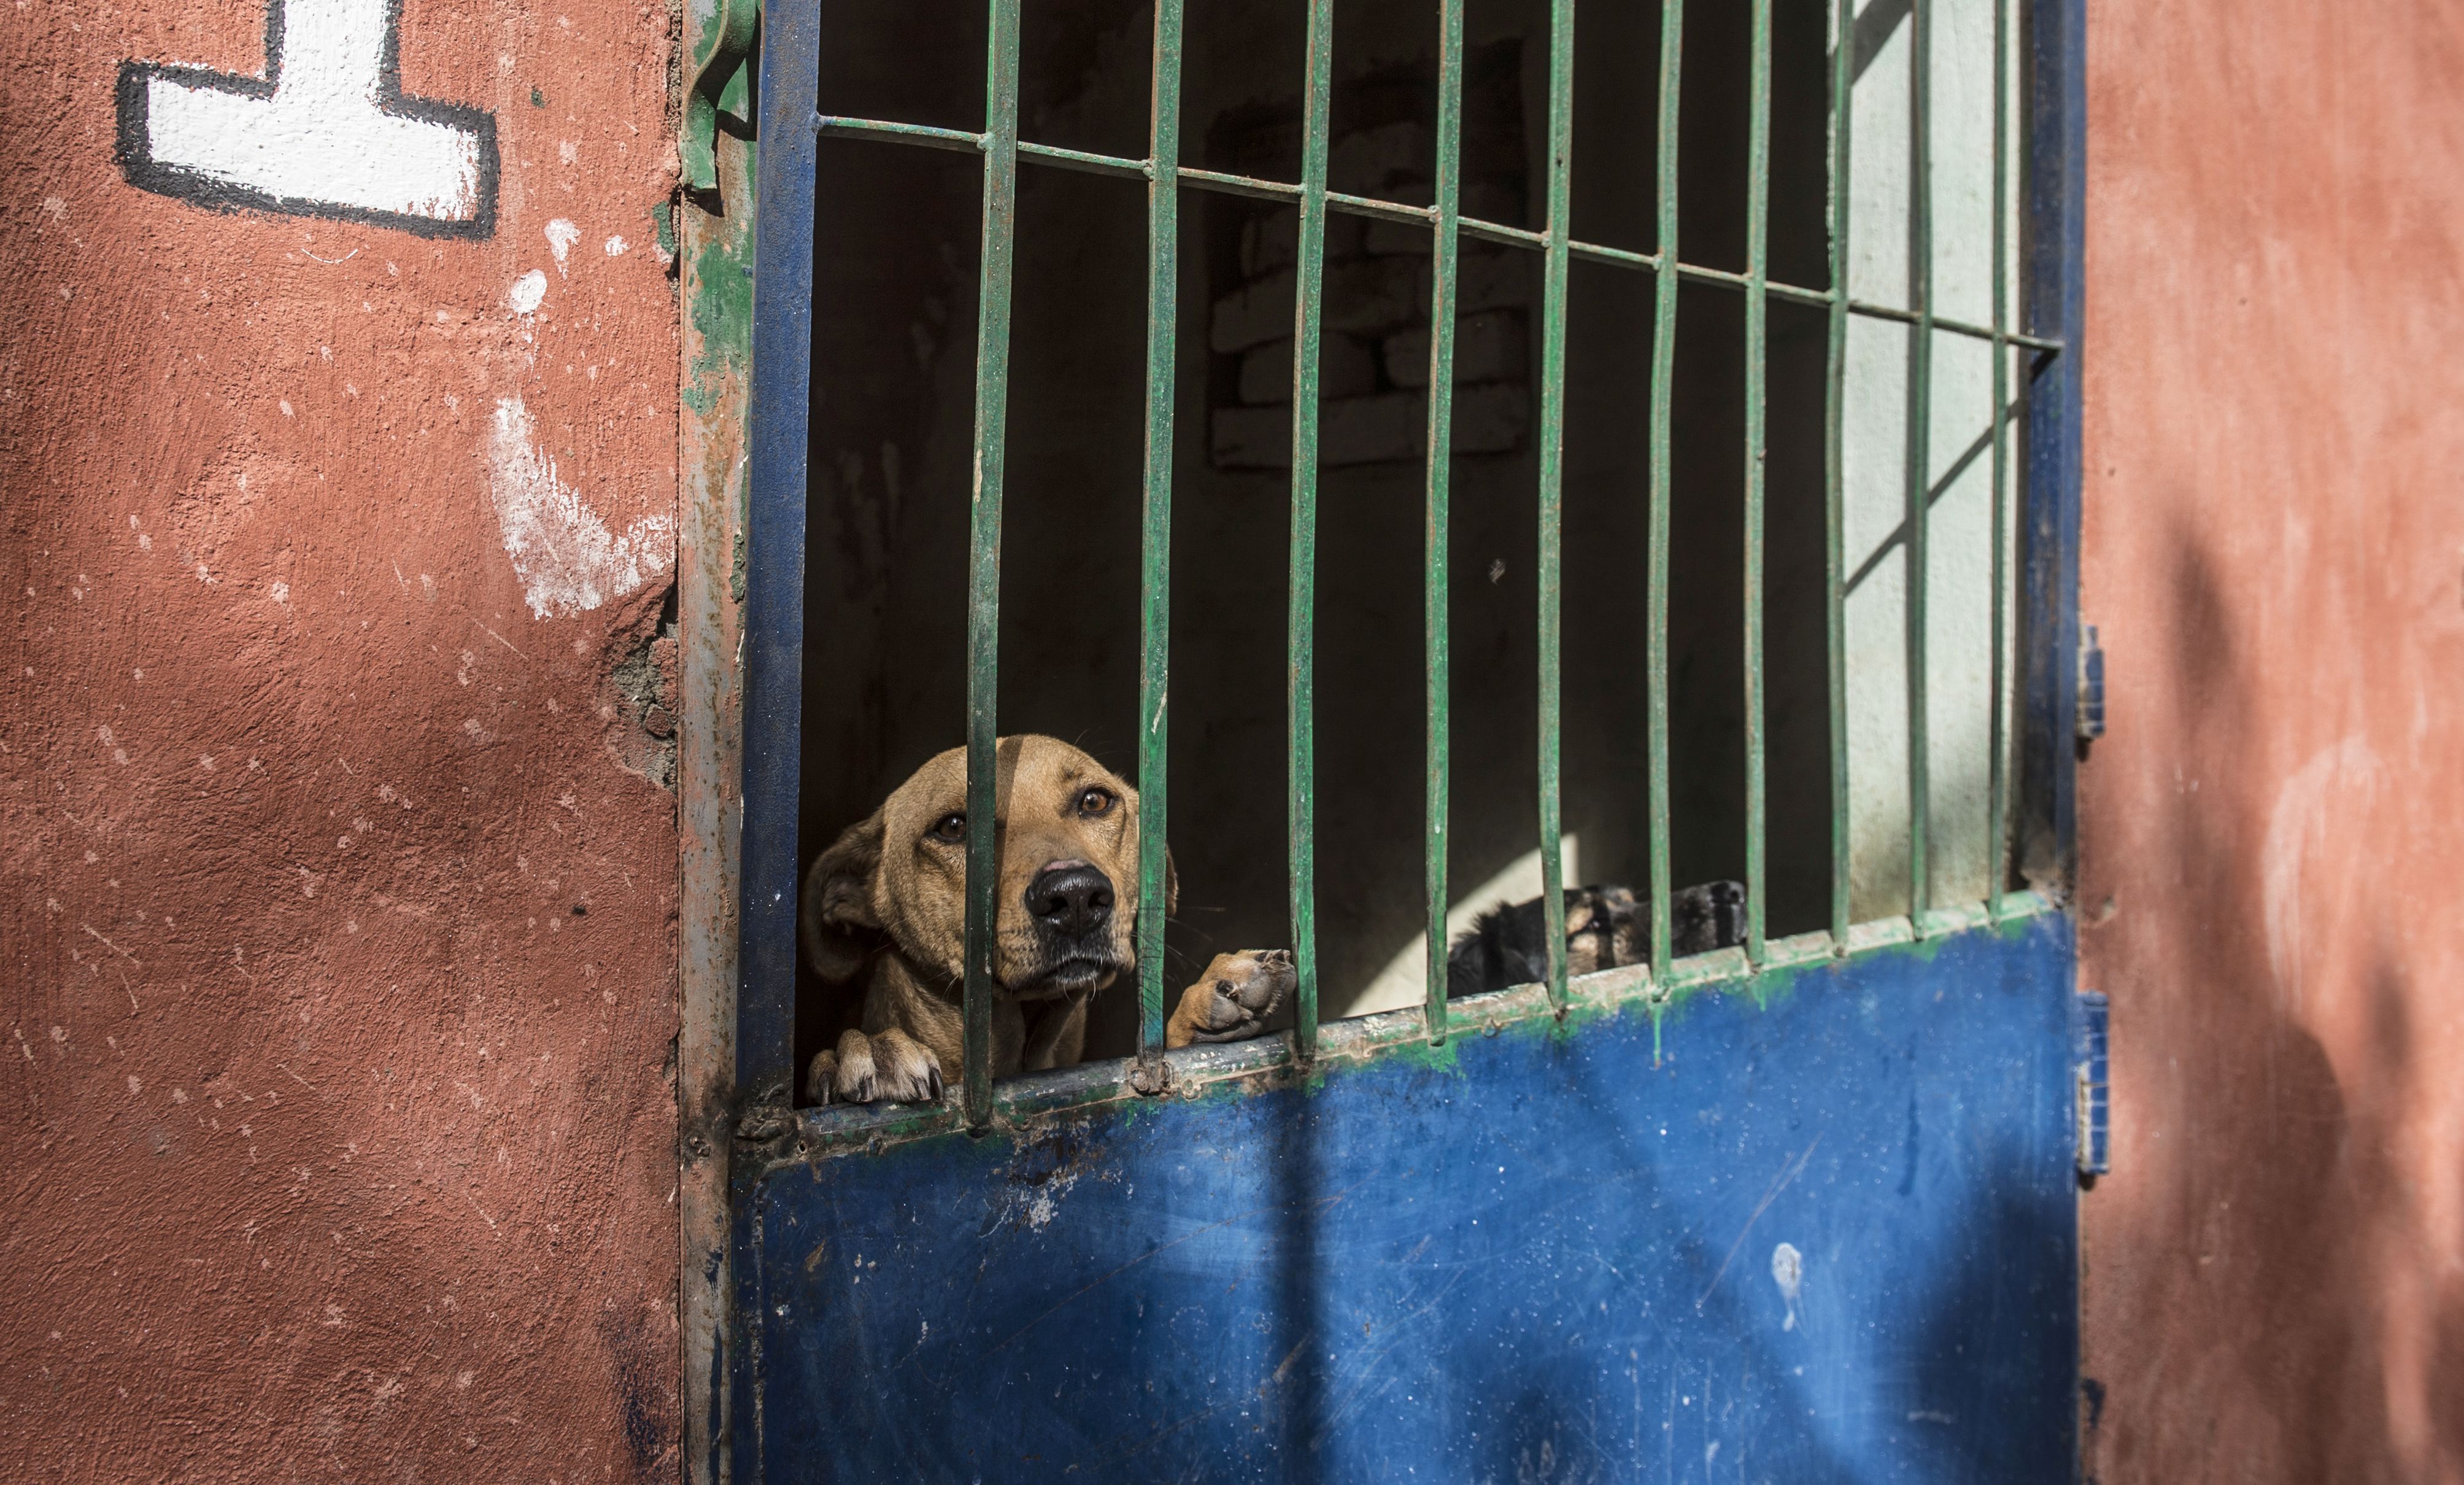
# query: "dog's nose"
1070,897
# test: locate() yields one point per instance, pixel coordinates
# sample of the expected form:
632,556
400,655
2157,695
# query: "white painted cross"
325,132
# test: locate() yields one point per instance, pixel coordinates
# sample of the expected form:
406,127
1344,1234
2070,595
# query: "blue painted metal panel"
1827,1238
774,599
2056,305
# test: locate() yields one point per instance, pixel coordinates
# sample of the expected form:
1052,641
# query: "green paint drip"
721,299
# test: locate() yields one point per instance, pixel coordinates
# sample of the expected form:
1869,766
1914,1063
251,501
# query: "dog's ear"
836,914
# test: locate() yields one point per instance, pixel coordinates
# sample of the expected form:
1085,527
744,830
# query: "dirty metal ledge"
829,1133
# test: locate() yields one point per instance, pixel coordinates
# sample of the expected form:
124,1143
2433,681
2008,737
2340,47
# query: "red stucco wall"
338,921
2273,834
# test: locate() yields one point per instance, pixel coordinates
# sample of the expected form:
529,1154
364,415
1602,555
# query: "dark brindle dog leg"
1706,918
1606,926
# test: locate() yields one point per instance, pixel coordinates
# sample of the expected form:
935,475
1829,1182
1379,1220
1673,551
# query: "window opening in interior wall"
897,242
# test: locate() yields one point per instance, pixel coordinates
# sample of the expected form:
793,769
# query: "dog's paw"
1233,1002
821,1077
905,1069
889,1067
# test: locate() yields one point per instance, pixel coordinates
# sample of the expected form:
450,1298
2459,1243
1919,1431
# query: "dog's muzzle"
1070,903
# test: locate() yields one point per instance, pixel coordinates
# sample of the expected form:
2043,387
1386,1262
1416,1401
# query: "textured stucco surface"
2271,833
336,898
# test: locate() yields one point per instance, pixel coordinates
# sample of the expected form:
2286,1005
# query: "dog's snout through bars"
1072,898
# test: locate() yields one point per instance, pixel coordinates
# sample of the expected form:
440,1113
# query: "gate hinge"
2091,685
718,81
2091,1099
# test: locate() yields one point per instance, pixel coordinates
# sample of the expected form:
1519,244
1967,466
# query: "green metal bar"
1381,211
1237,184
1920,462
1257,189
1555,266
1944,326
1081,161
1154,540
1499,233
1835,563
889,132
983,537
1440,461
1614,257
1757,349
1301,626
1998,850
1664,369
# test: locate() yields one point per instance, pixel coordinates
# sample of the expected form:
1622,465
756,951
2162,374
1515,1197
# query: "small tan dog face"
1065,835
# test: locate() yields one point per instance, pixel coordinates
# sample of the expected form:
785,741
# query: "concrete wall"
340,870
2275,548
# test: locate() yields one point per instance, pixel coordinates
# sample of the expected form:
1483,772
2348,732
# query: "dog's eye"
951,827
1097,801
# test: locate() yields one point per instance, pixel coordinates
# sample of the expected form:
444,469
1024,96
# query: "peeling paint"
565,553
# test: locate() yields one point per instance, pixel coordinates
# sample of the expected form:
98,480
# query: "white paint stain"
617,246
1787,1272
565,553
324,136
2329,792
280,591
527,291
561,236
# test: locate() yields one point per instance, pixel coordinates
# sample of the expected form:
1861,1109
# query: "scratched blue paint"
1536,1257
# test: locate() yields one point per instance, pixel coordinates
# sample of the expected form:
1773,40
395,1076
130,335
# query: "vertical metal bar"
2052,304
1757,348
1553,474
1441,459
1664,367
774,598
1920,472
1155,551
1299,699
2055,306
1998,850
778,439
1835,564
983,539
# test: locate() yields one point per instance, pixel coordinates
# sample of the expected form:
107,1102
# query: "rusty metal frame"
712,230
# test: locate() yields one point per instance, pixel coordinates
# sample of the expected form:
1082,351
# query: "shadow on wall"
2266,1295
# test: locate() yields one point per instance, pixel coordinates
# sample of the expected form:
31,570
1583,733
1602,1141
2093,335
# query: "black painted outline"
136,163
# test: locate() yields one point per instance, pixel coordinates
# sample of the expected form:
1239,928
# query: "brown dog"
887,903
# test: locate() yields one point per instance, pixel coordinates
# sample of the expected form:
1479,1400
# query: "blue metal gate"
1818,1228
1803,1213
